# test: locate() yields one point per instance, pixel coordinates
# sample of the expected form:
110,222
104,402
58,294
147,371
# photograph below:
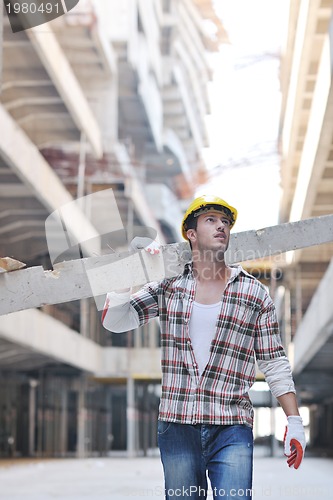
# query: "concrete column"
130,417
10,387
287,320
299,312
64,421
40,414
81,419
145,416
274,443
108,407
32,415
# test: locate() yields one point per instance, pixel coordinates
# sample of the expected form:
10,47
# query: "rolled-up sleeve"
123,311
268,343
118,314
270,353
278,375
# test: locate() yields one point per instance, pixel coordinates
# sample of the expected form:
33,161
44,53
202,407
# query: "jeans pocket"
162,427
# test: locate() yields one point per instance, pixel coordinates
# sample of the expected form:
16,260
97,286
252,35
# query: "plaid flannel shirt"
246,329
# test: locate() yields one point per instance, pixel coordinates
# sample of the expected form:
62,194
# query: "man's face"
212,233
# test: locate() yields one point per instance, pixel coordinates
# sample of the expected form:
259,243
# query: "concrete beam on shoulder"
95,276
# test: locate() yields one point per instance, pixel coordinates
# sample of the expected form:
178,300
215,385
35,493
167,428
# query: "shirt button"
186,321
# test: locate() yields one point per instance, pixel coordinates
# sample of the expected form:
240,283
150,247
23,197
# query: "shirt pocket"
239,314
247,311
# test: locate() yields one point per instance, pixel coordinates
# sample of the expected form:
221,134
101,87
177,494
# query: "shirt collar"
236,270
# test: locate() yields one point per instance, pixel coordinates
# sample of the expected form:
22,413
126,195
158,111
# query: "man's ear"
191,234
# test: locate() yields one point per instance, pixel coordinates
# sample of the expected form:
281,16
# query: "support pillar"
64,421
130,417
108,407
32,416
287,321
299,312
81,420
274,443
145,417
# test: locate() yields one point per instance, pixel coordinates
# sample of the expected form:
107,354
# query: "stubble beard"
211,254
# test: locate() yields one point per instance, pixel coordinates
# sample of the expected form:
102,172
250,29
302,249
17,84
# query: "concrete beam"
8,264
317,142
46,335
316,326
61,73
30,101
30,166
26,77
95,276
304,37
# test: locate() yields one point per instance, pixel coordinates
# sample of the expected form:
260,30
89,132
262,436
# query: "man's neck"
210,271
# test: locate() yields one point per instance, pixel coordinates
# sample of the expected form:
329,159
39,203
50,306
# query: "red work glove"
294,441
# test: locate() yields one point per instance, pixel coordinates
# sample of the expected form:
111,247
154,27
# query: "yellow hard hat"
209,201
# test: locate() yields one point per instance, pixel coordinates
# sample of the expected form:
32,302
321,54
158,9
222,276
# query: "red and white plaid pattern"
247,328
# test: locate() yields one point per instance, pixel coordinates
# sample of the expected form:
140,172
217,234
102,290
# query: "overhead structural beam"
28,328
316,326
317,142
47,336
306,23
24,158
61,74
95,276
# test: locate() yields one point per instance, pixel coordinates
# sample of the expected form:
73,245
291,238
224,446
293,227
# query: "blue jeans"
190,452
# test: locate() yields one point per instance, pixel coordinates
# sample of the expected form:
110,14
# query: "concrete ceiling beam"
61,73
307,19
317,142
32,101
36,174
316,326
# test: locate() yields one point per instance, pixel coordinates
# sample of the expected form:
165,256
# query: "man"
215,321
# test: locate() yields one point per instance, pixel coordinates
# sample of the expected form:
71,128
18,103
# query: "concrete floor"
142,478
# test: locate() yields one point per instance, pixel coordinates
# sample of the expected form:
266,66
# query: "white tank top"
202,329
